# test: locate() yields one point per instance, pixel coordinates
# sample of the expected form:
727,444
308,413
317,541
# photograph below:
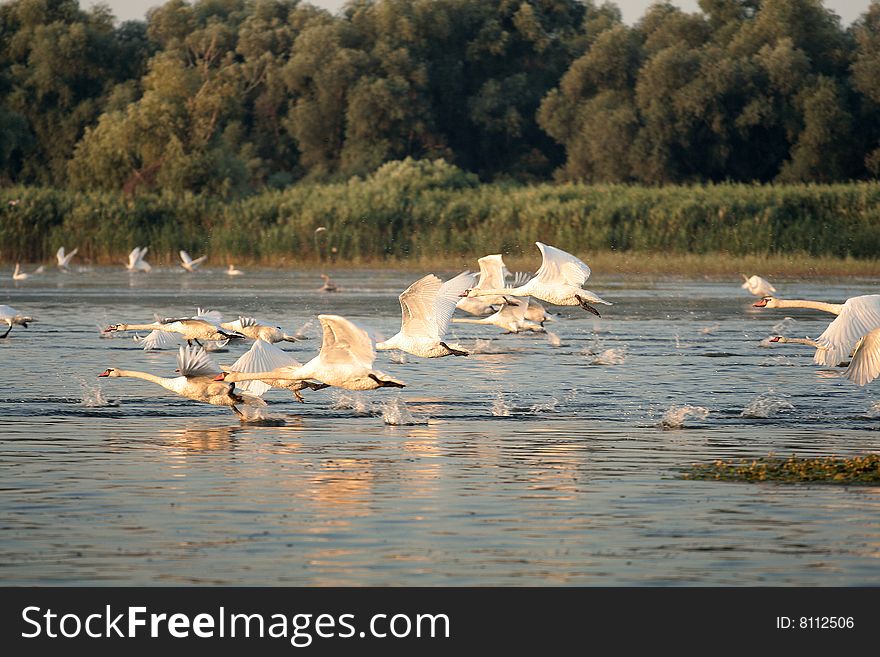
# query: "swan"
345,361
426,307
64,258
18,274
157,339
328,286
136,260
264,357
232,271
492,273
865,364
205,325
188,263
10,316
511,317
781,339
254,330
196,381
758,286
856,317
535,312
558,281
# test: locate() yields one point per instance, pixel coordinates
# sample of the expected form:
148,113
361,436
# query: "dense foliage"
233,97
422,209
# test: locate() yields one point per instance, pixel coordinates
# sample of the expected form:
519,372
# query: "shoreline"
709,265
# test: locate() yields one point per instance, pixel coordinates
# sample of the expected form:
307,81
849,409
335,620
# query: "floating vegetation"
864,470
675,416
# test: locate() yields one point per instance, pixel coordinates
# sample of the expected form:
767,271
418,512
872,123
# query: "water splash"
783,326
346,401
768,404
553,339
486,347
258,416
874,411
546,407
706,330
218,346
675,415
399,357
500,407
777,361
93,396
397,414
303,331
614,356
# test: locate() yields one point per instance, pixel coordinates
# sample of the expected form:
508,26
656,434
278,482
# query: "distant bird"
232,271
10,316
492,275
255,330
558,281
856,317
758,286
264,357
18,274
427,307
136,260
328,286
196,381
511,317
64,258
345,360
188,263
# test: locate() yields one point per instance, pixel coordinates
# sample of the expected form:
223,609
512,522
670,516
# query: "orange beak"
760,304
220,377
104,373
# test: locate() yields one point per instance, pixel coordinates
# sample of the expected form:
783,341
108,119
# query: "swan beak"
104,373
220,377
760,304
775,338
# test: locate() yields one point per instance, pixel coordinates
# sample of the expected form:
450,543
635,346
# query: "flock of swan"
347,354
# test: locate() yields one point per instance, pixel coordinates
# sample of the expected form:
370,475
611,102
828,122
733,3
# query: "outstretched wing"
520,278
417,307
261,357
859,316
345,342
156,340
184,256
134,256
865,364
447,298
199,260
194,361
59,254
561,267
211,316
491,272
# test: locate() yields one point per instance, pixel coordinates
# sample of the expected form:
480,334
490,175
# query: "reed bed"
401,218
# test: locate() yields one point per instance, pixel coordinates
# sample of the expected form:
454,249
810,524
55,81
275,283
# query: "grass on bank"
862,470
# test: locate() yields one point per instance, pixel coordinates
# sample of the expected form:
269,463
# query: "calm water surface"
538,460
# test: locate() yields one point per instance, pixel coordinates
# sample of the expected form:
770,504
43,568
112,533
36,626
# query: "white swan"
511,317
196,381
856,317
558,281
781,339
204,326
232,271
328,286
264,357
426,308
10,316
492,274
18,274
758,286
535,312
188,263
157,340
865,364
136,260
345,360
64,258
255,330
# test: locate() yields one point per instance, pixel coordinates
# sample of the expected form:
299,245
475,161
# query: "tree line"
233,97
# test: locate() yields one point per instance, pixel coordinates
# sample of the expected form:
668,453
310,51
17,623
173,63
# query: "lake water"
540,460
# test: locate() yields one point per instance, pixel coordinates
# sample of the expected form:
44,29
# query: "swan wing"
491,275
157,339
134,256
261,357
211,316
194,361
516,308
247,321
417,307
199,260
561,267
448,297
59,254
859,316
520,278
184,256
865,364
344,342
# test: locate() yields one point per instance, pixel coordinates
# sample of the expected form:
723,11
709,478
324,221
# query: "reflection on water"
539,460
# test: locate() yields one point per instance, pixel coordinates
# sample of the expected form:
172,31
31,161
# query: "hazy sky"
632,10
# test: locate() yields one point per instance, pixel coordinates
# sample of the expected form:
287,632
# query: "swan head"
765,302
109,372
776,338
113,327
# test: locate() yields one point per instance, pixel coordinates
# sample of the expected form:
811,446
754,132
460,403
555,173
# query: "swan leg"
454,352
237,412
587,306
299,397
189,343
201,345
9,328
316,386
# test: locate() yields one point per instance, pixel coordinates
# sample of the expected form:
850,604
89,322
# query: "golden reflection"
199,439
344,482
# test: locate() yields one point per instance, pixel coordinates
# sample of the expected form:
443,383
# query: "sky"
848,10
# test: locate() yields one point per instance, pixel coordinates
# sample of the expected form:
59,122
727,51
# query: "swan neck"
146,376
138,327
833,308
495,292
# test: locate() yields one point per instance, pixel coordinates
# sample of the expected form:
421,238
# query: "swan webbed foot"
237,412
299,397
198,343
7,332
454,352
588,307
385,384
